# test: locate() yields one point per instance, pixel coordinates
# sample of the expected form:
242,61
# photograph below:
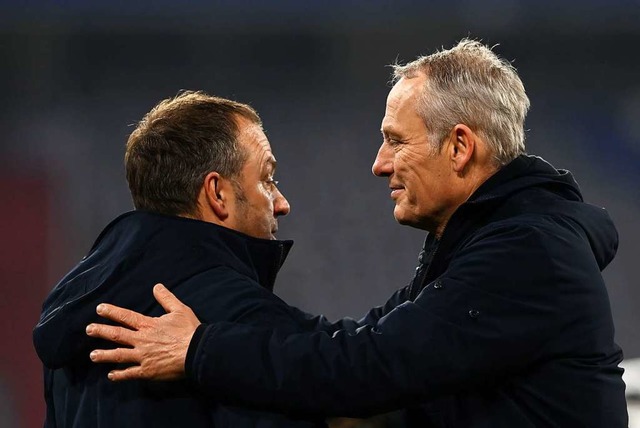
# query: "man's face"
420,179
258,200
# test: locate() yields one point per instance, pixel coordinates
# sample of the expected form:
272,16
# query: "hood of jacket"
135,251
530,185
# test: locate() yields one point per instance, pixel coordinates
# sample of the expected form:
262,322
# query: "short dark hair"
177,144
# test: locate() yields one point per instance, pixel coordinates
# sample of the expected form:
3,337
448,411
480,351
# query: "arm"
321,323
429,347
159,345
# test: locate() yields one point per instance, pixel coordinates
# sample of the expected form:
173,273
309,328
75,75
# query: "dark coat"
220,273
507,323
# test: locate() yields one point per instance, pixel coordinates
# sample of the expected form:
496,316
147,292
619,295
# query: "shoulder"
513,233
530,247
529,232
224,294
221,293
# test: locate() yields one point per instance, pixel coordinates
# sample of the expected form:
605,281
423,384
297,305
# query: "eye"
392,141
271,183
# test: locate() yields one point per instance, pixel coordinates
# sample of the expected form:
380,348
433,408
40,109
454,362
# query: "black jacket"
220,273
507,323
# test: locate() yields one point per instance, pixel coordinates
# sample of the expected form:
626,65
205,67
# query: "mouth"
395,190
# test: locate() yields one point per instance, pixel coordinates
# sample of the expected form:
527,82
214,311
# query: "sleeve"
222,294
321,323
487,316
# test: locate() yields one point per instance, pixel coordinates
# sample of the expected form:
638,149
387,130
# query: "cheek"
416,181
424,188
260,197
265,201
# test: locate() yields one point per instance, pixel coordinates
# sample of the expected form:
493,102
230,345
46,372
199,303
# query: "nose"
281,205
383,165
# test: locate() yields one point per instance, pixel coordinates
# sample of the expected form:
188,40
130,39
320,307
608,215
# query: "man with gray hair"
506,322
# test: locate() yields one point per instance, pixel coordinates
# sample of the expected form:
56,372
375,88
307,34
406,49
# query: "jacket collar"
523,172
214,245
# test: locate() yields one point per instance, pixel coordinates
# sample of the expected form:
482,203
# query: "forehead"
251,137
402,102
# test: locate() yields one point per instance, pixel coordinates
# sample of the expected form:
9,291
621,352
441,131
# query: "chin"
407,220
401,216
402,220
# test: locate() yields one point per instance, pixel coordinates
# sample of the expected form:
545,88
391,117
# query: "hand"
158,346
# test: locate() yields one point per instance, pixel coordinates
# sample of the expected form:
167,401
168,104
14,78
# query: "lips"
395,190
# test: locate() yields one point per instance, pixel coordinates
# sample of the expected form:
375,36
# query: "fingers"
120,355
113,333
167,299
133,372
120,315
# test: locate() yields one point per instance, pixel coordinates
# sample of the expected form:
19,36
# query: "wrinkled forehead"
252,138
251,135
403,99
407,89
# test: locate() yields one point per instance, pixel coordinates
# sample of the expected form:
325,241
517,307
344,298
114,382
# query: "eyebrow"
389,131
272,162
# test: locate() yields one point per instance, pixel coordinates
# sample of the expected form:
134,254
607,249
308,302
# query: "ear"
215,193
463,144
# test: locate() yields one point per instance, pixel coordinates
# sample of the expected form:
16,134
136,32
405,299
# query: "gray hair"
470,84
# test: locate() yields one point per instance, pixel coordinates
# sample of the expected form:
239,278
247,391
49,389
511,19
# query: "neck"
472,183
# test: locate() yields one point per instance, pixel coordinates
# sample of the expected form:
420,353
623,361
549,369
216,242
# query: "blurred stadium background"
76,74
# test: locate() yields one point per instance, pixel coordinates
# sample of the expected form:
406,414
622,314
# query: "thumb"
166,298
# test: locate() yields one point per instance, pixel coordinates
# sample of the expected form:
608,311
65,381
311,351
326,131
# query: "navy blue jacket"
220,273
507,323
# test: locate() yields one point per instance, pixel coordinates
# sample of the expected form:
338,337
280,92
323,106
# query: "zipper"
420,285
422,272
